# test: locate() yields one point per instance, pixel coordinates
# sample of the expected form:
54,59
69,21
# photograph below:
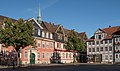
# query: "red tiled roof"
110,31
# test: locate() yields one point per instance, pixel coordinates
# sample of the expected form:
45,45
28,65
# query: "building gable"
60,30
35,23
99,31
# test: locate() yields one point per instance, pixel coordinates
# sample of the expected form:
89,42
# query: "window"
89,43
63,55
39,32
59,37
26,54
116,39
51,36
106,57
101,42
101,48
110,57
116,47
93,49
43,44
51,44
110,48
47,35
97,49
43,55
36,31
58,45
106,48
33,22
66,55
99,36
116,55
93,43
89,49
47,44
38,43
38,55
106,41
110,41
97,42
43,34
70,55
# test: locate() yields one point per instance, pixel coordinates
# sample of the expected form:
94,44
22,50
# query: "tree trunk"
74,56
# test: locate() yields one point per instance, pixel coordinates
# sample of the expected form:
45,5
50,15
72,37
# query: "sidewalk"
57,65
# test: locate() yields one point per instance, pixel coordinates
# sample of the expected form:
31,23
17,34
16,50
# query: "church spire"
39,16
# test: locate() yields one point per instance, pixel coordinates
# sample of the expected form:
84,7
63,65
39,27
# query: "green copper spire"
39,16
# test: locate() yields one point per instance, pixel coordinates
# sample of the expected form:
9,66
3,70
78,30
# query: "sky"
81,15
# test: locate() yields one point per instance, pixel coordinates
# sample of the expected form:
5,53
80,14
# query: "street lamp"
20,56
12,55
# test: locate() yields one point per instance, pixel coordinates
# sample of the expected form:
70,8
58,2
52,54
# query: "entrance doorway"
32,58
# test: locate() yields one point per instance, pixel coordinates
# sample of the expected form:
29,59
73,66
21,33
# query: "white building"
101,47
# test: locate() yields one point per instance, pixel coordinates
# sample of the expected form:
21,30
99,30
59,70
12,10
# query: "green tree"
18,34
75,43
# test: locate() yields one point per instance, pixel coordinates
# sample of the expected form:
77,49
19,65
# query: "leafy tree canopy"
18,34
74,42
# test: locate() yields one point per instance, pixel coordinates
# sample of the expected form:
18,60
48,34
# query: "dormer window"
39,32
99,36
51,36
43,34
47,35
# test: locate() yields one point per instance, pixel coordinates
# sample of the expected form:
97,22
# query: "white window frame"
43,34
38,43
43,43
39,32
38,55
51,36
26,54
47,35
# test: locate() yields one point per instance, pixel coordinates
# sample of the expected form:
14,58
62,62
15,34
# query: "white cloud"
51,3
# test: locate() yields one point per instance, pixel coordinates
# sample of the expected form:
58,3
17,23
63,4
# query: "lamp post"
20,56
12,54
30,56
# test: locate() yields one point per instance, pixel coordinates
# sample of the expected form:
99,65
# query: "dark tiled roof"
67,31
2,18
83,34
49,27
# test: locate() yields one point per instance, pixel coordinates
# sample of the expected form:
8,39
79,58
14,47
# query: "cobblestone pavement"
78,67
